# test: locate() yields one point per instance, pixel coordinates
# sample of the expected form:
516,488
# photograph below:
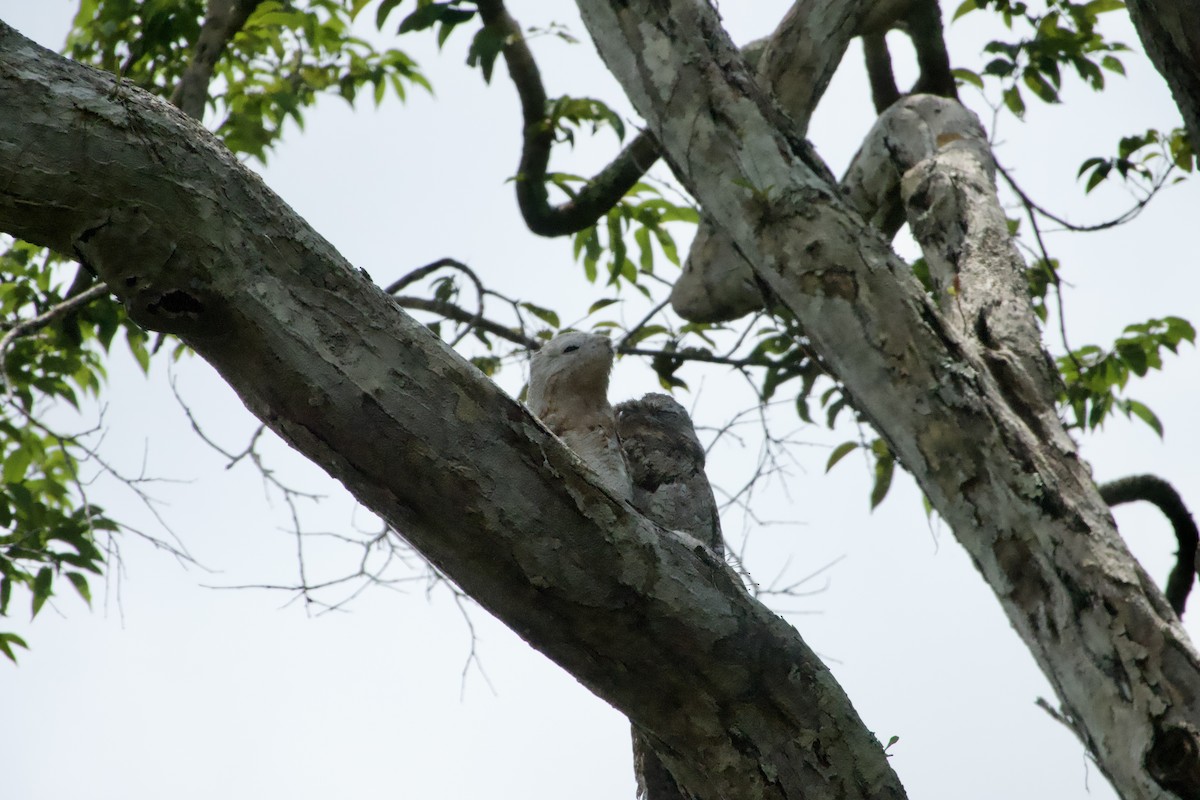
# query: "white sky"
168,688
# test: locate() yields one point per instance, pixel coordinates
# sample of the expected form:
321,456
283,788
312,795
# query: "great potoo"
666,463
568,392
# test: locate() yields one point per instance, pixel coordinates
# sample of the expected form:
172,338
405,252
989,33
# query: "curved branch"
884,90
603,191
924,26
1154,489
221,23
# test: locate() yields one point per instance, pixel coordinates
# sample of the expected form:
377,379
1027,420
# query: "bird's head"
575,362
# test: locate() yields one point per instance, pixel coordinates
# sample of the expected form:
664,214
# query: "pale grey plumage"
568,392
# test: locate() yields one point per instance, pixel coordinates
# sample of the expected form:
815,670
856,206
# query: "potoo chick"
568,392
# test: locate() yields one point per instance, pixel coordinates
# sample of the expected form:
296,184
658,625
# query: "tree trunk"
196,245
1169,32
994,462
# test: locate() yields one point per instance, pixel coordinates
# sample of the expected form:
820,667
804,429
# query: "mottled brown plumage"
666,463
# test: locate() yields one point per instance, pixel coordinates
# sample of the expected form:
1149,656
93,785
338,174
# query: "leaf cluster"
1145,156
644,213
1094,378
47,529
287,54
1059,34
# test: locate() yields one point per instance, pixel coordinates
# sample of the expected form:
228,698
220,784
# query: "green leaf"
1098,175
1089,164
840,452
487,44
968,76
835,408
1179,329
1145,415
884,468
544,314
1134,356
1040,86
41,588
385,8
964,8
1012,99
603,303
6,642
643,333
81,585
16,465
1113,64
424,17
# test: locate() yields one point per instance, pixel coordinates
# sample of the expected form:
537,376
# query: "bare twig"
26,327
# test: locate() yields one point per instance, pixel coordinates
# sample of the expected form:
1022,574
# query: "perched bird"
666,463
568,392
646,452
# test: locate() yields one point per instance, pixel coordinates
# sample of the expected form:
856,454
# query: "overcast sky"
168,688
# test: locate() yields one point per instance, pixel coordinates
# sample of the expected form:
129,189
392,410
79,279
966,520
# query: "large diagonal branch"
794,66
1024,506
222,21
195,244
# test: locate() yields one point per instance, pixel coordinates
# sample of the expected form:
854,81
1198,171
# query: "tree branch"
884,90
603,191
221,23
459,314
1154,489
473,481
26,327
1168,31
1024,506
923,24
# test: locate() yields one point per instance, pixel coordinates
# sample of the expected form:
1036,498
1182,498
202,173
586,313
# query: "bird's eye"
571,348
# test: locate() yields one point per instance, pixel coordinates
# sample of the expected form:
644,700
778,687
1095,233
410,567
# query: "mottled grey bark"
195,244
1170,33
794,64
1012,488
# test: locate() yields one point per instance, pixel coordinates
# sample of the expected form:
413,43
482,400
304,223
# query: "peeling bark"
195,244
1023,505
